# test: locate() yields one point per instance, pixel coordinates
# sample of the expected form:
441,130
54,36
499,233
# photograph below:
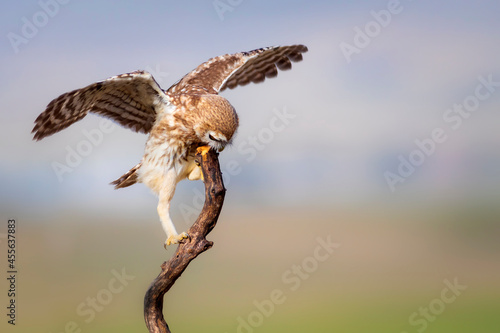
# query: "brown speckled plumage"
189,114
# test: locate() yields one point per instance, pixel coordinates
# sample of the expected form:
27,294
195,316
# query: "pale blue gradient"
352,119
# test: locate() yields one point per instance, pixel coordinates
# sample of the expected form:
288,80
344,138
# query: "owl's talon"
203,149
176,239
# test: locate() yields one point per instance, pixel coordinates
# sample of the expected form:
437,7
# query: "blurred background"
373,207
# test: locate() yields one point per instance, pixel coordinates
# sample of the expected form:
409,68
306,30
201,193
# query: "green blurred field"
390,264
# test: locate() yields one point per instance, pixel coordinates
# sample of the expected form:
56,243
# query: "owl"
189,114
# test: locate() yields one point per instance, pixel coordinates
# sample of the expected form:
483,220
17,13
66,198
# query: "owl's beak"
221,149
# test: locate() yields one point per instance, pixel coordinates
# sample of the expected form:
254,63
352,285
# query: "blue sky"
352,121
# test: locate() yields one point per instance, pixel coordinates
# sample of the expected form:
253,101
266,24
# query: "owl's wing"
239,69
131,99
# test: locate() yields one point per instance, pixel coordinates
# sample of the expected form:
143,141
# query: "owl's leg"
172,236
165,196
196,173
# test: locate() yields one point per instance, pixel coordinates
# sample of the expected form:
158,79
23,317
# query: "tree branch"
191,248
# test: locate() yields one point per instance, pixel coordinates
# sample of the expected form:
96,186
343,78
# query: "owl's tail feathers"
130,178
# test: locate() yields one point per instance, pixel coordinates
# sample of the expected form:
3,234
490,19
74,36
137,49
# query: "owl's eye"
211,137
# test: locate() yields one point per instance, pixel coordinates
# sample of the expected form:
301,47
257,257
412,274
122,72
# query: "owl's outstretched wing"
239,69
131,99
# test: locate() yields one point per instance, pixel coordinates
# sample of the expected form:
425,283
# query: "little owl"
187,115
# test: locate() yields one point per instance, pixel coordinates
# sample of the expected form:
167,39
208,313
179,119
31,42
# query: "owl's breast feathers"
178,131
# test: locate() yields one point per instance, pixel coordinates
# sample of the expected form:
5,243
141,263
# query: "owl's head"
219,122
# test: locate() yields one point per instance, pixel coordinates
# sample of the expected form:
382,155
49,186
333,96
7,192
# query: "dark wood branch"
191,248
